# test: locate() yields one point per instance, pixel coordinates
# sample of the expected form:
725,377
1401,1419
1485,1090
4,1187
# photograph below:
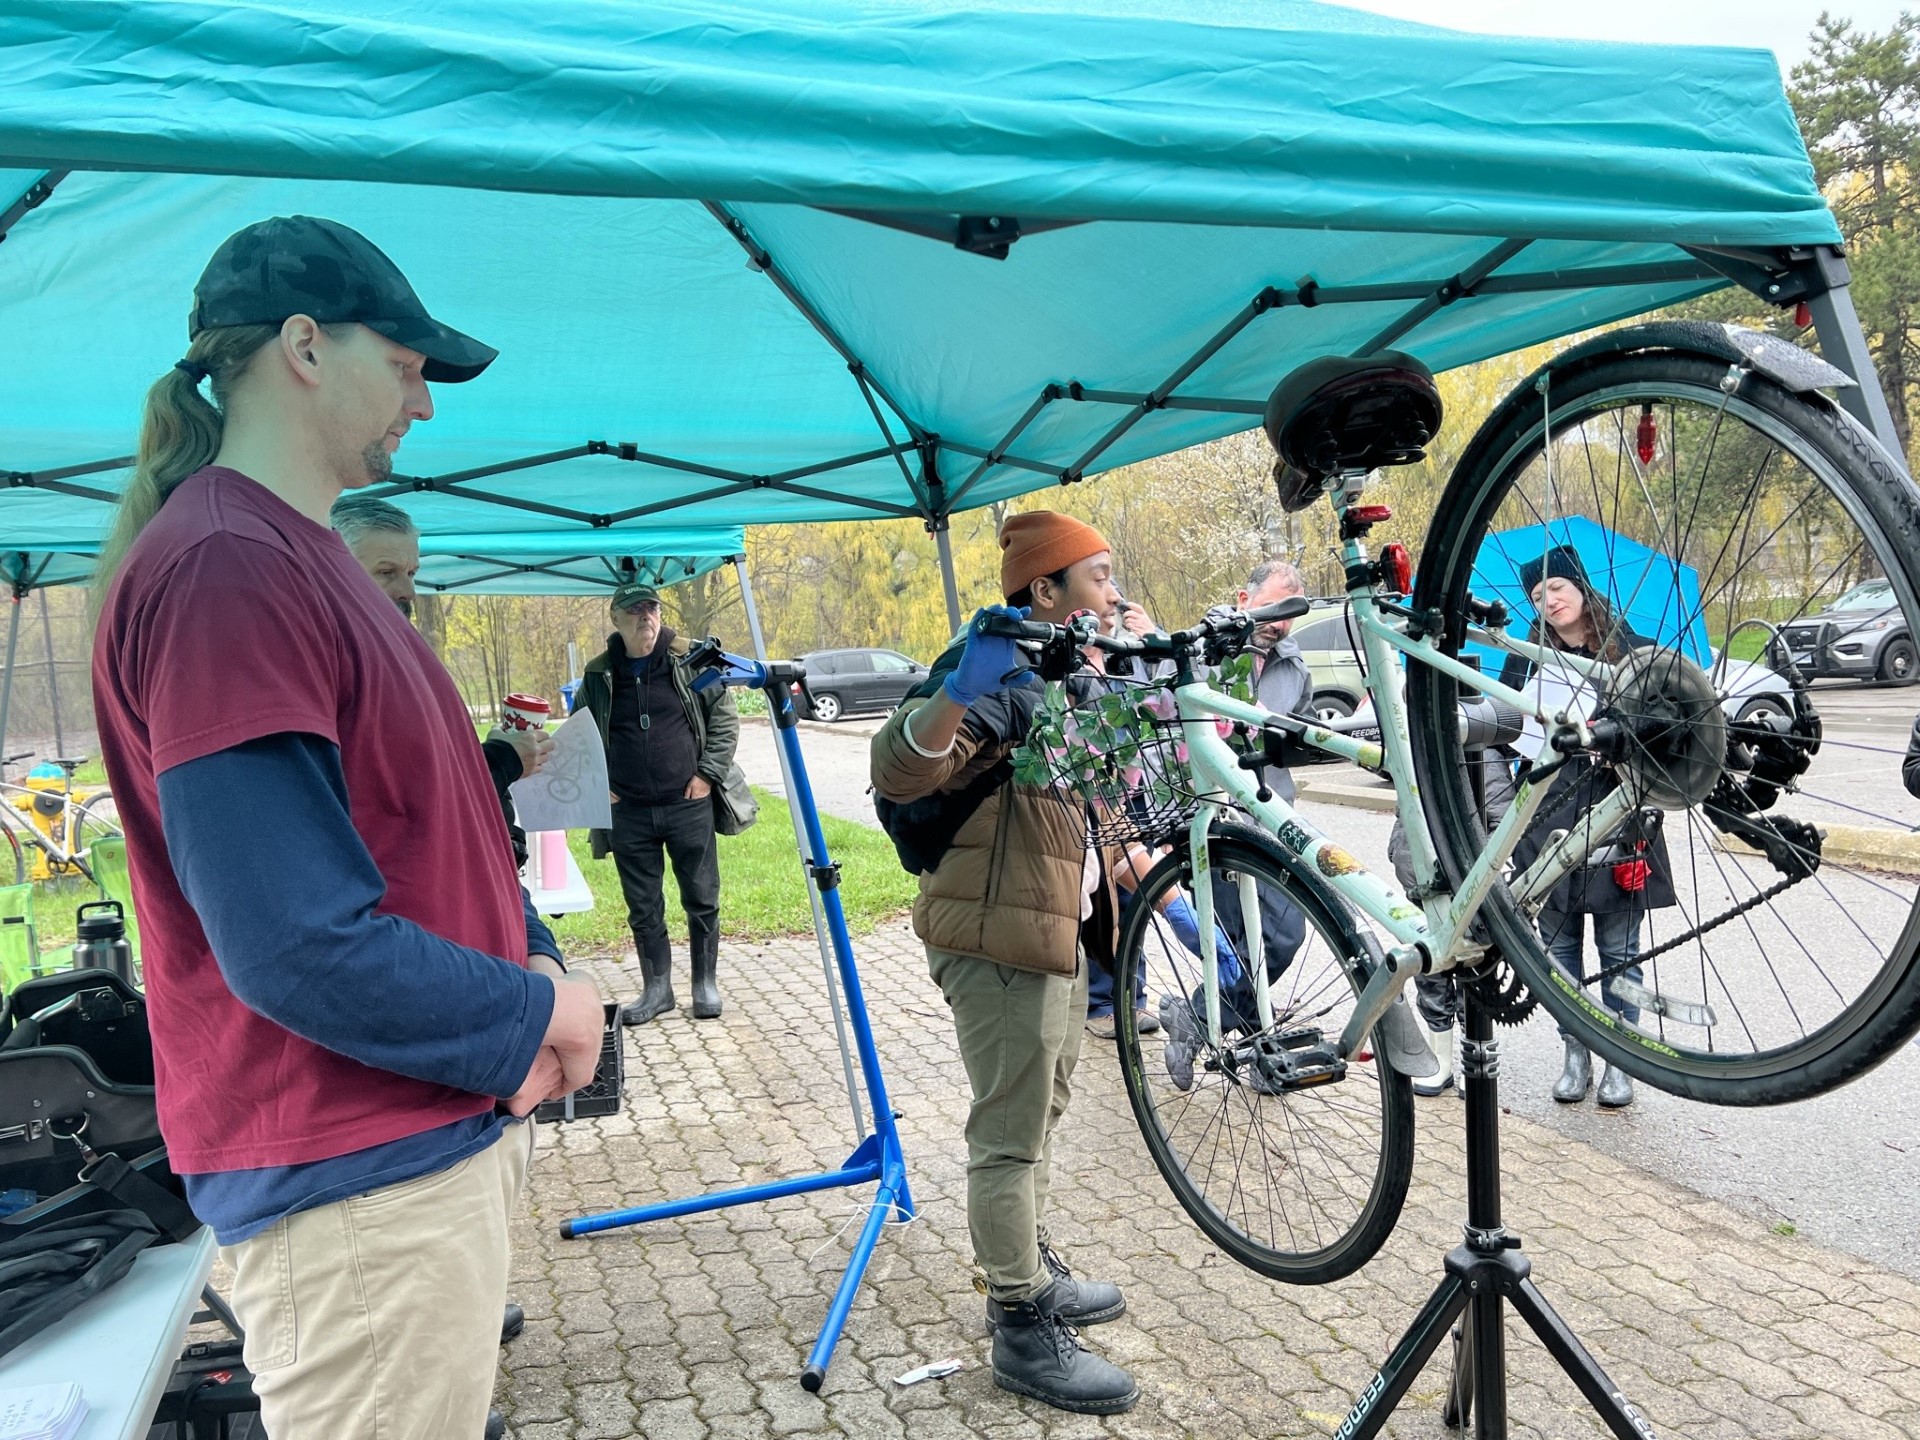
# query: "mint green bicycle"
1709,496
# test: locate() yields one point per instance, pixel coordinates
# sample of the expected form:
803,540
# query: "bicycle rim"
14,854
1762,983
1300,1184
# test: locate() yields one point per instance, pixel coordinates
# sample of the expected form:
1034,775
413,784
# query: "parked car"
1863,635
1328,646
843,682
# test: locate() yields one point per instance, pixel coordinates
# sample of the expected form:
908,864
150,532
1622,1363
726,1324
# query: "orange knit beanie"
1043,542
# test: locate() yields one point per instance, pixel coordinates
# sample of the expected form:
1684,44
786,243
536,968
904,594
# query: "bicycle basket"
1120,757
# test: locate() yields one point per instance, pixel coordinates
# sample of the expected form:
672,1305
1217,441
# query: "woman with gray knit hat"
1630,874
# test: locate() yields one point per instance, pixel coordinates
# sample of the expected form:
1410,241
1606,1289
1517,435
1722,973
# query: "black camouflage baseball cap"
299,265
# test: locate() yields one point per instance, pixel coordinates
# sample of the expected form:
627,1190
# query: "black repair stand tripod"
1483,1275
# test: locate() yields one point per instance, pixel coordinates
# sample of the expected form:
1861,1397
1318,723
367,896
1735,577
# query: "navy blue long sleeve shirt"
294,929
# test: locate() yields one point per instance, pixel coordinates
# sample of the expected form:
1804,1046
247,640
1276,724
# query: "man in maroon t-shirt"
347,1024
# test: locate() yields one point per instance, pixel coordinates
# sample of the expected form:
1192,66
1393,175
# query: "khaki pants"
1019,1035
378,1317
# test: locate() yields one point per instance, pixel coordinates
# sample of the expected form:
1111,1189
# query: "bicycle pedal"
1297,1060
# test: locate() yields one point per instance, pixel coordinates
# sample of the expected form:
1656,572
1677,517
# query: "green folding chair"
19,946
108,860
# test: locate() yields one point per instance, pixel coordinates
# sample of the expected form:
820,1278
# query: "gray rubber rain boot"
657,998
1616,1089
1037,1353
706,989
1577,1078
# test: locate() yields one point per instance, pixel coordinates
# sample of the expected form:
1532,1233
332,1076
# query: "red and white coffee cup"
524,712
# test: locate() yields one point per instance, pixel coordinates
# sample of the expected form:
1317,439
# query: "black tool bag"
76,1077
78,1127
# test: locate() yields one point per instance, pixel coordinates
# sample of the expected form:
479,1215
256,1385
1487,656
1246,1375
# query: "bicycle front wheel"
1714,519
1294,1167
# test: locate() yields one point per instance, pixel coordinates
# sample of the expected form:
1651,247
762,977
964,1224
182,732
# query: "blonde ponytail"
180,431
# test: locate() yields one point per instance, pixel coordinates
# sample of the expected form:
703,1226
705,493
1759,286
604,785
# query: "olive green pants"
1019,1034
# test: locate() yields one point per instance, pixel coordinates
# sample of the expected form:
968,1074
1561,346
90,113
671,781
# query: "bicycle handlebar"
1084,632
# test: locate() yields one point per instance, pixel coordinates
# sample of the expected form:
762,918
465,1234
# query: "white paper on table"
1554,690
570,792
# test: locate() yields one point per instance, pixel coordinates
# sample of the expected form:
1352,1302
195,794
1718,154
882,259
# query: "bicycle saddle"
71,763
1350,414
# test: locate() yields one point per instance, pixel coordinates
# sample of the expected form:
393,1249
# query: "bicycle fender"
1800,371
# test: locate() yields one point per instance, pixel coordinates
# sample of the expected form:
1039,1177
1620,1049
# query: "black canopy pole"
1844,344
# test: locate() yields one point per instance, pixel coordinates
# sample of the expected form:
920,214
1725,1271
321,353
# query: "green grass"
762,892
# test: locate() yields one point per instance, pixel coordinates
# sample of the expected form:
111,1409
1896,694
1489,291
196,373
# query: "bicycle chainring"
1500,990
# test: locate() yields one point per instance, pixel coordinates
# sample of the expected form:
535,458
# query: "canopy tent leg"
943,542
6,679
807,863
1844,345
53,678
877,1159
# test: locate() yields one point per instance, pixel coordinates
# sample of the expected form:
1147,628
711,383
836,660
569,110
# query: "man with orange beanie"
1006,883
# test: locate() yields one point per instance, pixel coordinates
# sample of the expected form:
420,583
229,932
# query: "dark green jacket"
711,712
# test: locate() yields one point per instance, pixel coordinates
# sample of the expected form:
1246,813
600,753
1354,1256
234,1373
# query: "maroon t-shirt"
236,617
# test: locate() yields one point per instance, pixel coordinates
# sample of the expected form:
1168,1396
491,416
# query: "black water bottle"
101,926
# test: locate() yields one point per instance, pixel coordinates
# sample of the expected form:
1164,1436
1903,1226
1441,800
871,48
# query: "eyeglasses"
643,607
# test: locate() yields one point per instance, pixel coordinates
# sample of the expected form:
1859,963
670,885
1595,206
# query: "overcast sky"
1781,26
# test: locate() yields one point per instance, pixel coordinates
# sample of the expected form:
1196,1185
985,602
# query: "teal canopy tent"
761,262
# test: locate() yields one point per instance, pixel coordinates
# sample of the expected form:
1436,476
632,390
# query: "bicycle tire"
17,855
1808,449
1303,1248
89,825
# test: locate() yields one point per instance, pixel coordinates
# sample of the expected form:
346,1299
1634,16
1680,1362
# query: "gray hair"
358,516
1284,571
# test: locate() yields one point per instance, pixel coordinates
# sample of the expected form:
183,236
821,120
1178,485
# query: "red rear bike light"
1396,567
1369,514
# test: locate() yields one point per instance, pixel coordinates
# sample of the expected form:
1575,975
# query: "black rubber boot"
512,1323
706,990
657,998
1078,1302
1037,1353
1577,1078
496,1425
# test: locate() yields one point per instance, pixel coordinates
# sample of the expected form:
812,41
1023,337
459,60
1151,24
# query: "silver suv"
1862,635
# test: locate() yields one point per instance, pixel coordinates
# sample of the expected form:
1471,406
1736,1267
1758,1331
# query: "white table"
567,898
121,1345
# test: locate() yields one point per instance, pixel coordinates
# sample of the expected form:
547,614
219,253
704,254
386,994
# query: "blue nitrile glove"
1186,929
990,663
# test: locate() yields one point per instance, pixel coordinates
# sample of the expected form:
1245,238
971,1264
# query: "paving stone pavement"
695,1328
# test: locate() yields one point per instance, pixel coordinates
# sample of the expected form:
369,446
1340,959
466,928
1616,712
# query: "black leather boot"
657,998
706,990
1037,1353
1078,1302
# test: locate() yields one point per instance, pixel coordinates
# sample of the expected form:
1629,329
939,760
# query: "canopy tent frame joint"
32,198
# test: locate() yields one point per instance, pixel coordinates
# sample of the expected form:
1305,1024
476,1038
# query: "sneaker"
1102,1027
1147,1022
1183,1040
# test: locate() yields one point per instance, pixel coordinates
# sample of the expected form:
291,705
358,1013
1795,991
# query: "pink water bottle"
553,859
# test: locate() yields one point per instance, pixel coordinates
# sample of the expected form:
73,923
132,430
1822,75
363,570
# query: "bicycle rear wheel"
1302,1182
13,860
1698,507
98,819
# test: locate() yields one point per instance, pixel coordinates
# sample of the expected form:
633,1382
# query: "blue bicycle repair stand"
878,1157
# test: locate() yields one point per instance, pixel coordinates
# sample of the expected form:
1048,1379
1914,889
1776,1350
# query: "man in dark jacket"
668,749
